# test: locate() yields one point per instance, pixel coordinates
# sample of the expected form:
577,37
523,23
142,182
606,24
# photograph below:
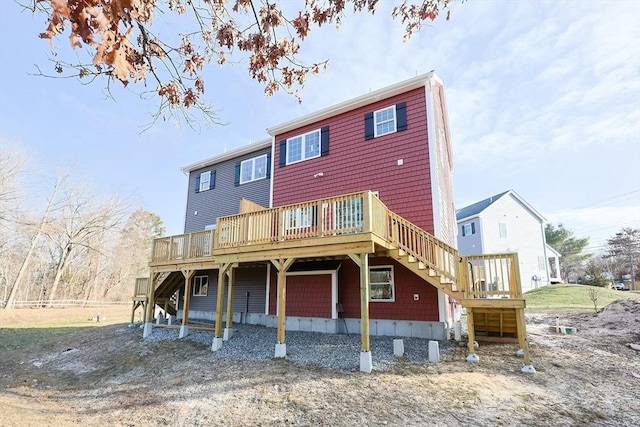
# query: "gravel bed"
339,352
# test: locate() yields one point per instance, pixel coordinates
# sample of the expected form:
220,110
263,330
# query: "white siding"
524,236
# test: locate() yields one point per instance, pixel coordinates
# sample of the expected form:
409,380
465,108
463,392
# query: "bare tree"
79,222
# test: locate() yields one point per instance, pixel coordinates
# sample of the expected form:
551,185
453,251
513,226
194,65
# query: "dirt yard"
109,376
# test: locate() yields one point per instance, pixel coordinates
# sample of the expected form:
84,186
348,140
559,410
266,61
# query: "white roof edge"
353,103
467,218
245,149
527,205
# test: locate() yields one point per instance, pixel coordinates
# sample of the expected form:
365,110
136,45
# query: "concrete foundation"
217,344
434,351
159,319
520,353
228,334
171,319
457,331
281,350
146,331
184,331
398,347
366,362
473,358
528,369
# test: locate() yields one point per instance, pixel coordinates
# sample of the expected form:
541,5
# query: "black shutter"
283,152
401,116
212,180
324,141
268,165
198,184
473,228
368,126
463,231
237,180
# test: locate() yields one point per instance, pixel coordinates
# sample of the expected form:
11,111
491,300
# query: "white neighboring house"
507,223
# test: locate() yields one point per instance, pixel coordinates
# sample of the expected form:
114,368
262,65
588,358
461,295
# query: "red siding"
406,285
307,296
354,164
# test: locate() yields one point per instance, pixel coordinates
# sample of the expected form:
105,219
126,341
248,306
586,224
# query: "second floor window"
253,169
503,230
302,217
468,229
303,147
205,179
385,121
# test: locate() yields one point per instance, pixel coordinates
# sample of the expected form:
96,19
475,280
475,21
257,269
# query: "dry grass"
107,375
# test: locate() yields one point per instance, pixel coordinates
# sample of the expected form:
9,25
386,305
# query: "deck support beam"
472,357
184,328
217,340
523,342
228,330
148,316
366,361
282,265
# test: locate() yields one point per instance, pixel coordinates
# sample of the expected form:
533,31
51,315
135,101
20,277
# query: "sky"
543,98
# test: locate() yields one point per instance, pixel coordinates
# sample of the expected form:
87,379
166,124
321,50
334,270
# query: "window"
387,120
253,169
384,121
503,230
541,263
381,284
205,181
300,218
468,229
349,216
200,286
304,147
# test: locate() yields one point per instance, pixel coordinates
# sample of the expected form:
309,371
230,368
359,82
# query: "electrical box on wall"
416,297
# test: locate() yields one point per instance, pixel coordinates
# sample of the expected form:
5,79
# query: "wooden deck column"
228,330
217,340
523,341
282,265
151,290
184,328
366,361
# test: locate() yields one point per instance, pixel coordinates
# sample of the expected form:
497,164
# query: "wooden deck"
347,226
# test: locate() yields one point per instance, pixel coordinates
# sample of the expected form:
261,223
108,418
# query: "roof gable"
476,208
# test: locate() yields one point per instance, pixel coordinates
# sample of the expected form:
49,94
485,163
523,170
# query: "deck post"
282,265
148,316
184,328
366,361
472,357
228,330
217,340
133,312
523,342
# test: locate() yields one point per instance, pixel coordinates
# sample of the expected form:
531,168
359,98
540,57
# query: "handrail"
141,287
492,276
183,246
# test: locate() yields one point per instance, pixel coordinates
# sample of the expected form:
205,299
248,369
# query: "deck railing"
333,216
492,276
141,288
317,218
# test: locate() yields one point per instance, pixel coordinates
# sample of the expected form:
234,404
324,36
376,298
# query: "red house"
359,234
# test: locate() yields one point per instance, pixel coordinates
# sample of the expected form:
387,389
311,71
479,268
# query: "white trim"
266,303
193,287
433,159
393,284
253,169
247,149
273,161
303,145
352,104
442,306
394,120
334,285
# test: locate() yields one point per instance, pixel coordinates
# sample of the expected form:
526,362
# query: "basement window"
200,286
381,287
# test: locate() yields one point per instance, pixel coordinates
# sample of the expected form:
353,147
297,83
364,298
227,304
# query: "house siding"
251,280
224,199
406,286
471,244
354,164
524,236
